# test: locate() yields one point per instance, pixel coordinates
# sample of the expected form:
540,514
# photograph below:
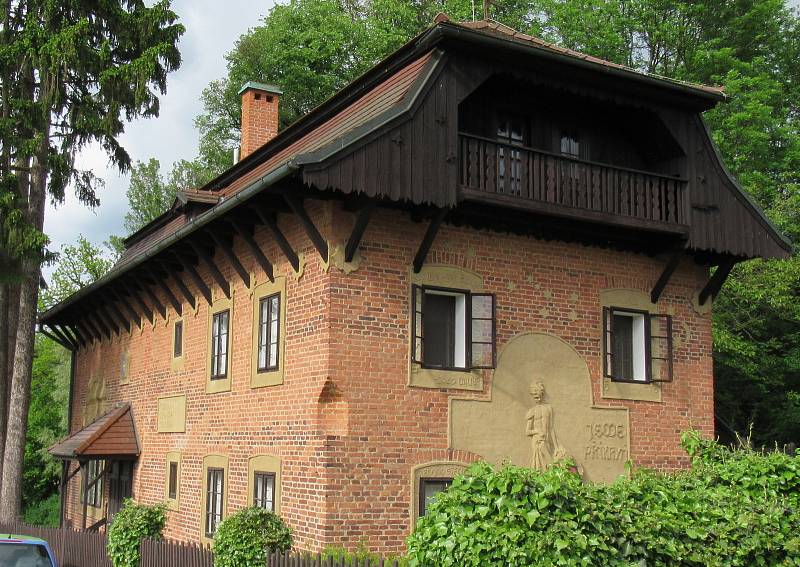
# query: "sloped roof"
113,434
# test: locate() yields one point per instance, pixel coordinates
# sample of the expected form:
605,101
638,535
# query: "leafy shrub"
719,513
244,538
358,558
44,513
132,523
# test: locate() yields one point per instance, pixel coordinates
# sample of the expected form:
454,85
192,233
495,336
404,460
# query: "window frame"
417,334
93,496
211,508
172,489
421,508
608,337
269,339
216,344
177,339
265,475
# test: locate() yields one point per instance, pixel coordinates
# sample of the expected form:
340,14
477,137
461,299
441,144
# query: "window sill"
437,378
632,390
265,378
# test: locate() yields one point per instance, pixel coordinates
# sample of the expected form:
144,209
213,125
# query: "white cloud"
212,27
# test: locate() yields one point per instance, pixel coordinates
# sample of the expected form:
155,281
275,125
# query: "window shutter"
608,342
416,323
660,360
483,332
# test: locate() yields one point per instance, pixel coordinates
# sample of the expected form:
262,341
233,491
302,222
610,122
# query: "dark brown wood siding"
415,158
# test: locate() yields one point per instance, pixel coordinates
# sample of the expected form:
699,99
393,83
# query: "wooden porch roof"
113,434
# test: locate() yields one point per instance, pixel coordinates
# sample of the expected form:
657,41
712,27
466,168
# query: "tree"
78,265
73,72
150,194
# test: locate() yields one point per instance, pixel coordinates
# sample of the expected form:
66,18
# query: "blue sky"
212,27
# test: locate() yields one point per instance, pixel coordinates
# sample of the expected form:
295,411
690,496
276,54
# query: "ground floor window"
264,490
93,494
637,346
214,500
428,489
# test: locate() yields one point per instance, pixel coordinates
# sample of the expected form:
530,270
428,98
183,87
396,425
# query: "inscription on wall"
541,410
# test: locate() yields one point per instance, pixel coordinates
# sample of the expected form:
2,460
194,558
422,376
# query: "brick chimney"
259,115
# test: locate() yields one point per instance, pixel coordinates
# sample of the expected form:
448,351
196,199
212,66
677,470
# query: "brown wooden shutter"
417,295
483,331
608,342
660,359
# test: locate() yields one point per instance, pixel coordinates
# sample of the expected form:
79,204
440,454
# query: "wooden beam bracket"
280,238
427,240
716,281
212,268
311,230
227,250
136,317
360,226
198,281
146,312
262,260
666,274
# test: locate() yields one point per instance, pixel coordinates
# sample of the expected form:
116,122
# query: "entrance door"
120,483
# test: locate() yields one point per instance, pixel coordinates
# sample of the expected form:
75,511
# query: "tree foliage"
150,193
311,48
77,266
733,508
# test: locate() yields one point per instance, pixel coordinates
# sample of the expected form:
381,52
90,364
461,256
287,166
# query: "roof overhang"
112,435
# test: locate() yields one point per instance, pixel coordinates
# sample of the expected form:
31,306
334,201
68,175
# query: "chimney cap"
260,87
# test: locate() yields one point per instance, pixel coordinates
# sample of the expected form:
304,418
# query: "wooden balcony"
553,184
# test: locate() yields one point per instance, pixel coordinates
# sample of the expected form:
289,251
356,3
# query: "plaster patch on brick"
172,414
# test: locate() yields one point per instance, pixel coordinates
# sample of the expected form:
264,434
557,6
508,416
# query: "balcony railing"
534,175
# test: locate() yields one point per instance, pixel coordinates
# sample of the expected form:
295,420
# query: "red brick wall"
259,119
345,423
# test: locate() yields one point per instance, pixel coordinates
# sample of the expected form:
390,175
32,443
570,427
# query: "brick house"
487,247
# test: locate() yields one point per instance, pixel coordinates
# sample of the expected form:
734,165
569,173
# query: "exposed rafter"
99,324
134,315
172,273
208,260
176,305
88,330
427,240
227,250
111,307
319,242
154,299
58,336
271,221
362,220
83,339
663,280
716,281
118,324
198,281
145,309
262,260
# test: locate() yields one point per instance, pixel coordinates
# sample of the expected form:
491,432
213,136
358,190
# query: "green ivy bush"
244,538
132,523
734,508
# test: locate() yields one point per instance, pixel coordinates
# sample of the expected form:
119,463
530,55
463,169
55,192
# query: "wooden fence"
74,548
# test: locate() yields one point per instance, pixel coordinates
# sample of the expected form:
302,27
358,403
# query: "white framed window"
452,329
219,345
215,485
264,490
637,346
269,332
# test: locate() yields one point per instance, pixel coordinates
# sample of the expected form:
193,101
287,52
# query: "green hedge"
733,508
244,538
132,523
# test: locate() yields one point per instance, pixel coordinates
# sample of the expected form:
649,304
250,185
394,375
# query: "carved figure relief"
540,427
561,422
95,399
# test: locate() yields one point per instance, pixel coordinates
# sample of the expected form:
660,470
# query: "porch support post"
717,280
427,241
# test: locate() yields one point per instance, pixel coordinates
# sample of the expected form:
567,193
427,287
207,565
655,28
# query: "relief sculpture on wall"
560,422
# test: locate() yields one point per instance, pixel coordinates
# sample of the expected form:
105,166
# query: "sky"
212,27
